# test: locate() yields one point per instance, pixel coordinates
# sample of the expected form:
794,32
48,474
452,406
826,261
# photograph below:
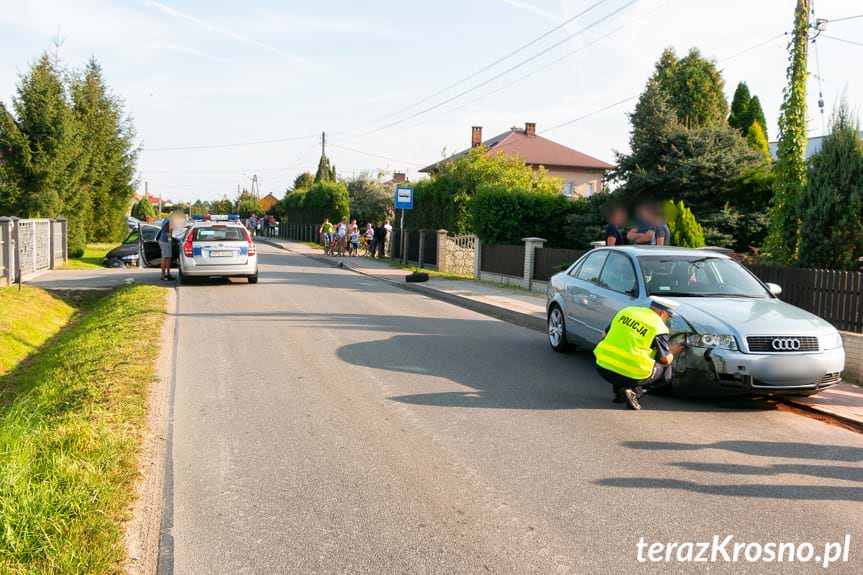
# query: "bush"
686,232
443,201
831,204
322,200
503,215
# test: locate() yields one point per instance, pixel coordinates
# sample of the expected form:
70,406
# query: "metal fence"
30,246
502,259
836,296
549,261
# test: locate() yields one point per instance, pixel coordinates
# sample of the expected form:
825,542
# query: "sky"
397,83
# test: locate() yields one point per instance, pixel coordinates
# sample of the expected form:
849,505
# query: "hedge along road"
326,422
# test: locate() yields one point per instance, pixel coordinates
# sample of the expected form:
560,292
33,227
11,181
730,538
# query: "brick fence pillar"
441,251
530,247
477,260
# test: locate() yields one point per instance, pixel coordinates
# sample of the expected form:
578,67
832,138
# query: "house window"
567,189
590,188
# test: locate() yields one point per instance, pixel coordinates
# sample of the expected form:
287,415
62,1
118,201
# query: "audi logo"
785,344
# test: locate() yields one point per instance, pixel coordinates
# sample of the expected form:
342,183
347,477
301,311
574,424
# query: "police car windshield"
220,234
698,276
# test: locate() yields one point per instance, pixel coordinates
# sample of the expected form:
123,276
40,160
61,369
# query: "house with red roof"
582,175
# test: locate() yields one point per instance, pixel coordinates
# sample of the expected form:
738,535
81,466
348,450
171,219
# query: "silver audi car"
218,248
740,337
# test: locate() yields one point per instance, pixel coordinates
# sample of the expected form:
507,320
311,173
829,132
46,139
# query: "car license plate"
221,253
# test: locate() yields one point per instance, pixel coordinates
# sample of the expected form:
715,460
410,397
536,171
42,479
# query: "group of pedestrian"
345,238
650,227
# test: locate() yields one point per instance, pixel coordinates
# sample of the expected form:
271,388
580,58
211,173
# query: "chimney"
476,136
530,129
398,177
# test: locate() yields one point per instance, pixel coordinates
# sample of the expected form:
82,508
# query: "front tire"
557,330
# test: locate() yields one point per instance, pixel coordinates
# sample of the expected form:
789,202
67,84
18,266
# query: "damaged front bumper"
718,371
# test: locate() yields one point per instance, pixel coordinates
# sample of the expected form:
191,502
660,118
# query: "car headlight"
831,340
711,340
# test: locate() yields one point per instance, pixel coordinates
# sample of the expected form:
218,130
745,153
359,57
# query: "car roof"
669,251
220,223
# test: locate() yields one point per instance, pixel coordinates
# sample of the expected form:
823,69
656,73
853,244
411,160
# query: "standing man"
663,233
613,233
166,248
380,241
635,353
389,228
644,233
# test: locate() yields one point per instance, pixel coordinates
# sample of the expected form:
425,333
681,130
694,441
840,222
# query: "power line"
495,77
831,20
492,64
842,40
230,145
546,66
756,46
375,155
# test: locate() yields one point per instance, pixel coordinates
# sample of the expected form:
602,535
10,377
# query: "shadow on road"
770,449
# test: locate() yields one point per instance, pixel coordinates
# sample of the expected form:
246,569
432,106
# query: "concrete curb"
529,321
497,312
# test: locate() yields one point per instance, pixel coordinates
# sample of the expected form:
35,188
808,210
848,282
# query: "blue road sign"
404,198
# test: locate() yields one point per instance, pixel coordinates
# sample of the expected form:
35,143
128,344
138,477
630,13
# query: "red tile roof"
535,150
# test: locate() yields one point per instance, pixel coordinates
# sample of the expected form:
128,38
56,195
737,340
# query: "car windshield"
220,234
698,276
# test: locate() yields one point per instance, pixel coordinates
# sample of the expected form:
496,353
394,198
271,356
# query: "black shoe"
632,400
169,277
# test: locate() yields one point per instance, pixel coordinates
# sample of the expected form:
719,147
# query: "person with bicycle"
326,234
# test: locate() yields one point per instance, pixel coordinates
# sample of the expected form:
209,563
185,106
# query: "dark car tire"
253,279
557,330
417,277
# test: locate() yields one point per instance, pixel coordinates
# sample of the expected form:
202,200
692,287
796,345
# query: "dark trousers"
661,376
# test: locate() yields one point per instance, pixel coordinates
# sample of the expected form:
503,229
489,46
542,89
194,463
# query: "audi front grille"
782,343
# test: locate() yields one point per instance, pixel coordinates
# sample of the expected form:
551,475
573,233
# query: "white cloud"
224,31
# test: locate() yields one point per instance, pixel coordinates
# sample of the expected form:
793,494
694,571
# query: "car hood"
746,316
122,250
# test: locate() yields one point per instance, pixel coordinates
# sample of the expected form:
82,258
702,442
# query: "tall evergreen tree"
741,113
694,88
43,158
783,238
109,153
326,172
831,204
757,114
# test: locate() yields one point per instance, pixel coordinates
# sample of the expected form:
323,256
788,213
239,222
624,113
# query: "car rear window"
220,234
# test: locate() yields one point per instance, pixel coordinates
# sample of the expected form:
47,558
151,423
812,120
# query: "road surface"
325,422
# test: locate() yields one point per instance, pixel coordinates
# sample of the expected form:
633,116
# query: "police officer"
635,353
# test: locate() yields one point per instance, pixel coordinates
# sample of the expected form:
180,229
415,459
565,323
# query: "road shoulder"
142,530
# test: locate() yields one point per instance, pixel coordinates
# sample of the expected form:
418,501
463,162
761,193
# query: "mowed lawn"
71,421
92,258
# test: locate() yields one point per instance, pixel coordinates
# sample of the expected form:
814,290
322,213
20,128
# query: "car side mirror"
774,289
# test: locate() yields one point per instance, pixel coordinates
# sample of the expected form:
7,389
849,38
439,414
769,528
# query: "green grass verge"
92,258
71,419
29,318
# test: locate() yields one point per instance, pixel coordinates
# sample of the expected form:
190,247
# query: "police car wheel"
253,279
557,330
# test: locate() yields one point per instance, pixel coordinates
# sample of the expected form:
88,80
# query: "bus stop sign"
404,198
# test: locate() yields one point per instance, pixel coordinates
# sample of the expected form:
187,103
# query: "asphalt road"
329,423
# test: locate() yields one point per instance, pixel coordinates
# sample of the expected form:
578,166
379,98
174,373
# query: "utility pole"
323,144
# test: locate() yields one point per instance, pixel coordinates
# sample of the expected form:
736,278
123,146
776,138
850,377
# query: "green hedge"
321,200
502,215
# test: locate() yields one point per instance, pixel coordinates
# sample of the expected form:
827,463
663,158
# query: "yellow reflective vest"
627,347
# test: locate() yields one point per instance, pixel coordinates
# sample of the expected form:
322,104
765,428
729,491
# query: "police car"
218,247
